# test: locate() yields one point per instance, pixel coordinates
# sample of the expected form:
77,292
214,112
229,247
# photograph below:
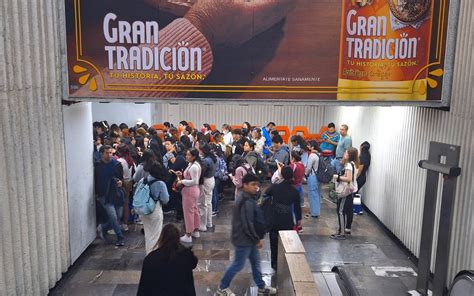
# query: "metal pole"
427,226
450,171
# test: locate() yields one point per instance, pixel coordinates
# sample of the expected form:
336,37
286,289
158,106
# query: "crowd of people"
186,170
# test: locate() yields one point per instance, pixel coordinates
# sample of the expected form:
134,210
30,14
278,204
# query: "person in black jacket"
108,180
168,271
285,199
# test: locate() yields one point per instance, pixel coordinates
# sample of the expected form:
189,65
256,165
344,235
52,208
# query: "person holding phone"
191,193
281,153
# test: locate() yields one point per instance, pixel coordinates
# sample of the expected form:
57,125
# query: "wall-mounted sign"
316,51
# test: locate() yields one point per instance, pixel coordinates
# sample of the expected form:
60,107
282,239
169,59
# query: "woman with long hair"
299,144
191,193
345,214
246,129
128,165
209,162
364,165
143,168
168,270
153,222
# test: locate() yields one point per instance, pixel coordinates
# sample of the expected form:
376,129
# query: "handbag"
343,188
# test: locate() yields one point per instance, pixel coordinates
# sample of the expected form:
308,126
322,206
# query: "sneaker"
214,213
224,292
168,212
338,236
99,232
186,239
300,229
203,228
347,231
125,227
120,243
196,234
267,291
111,232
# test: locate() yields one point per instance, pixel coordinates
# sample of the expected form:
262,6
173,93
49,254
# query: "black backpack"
325,170
261,168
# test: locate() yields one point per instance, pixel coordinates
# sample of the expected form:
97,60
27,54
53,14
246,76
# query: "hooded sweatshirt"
243,221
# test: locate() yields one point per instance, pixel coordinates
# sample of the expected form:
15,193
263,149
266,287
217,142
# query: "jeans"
341,218
300,190
215,194
314,195
114,214
241,254
336,163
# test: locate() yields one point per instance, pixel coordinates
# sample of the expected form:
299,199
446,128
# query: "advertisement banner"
390,51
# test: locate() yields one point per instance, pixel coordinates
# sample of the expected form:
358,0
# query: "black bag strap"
353,171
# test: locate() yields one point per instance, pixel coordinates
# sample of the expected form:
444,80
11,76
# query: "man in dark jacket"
108,175
245,238
281,154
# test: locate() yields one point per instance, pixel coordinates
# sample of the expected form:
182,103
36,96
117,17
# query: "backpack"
233,163
261,168
143,203
221,169
325,170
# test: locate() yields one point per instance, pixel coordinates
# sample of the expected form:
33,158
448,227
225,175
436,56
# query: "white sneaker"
111,232
186,239
224,292
125,227
203,228
196,234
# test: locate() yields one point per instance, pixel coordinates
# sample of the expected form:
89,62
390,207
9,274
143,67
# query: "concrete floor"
376,265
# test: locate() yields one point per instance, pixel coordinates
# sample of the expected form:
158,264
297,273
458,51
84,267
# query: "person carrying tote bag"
346,186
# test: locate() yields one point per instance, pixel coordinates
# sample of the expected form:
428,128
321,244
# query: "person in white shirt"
259,140
227,131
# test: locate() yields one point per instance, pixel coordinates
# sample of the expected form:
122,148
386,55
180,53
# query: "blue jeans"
114,214
300,190
314,195
215,194
241,254
336,163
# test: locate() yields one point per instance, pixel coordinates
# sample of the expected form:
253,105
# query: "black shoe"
338,236
120,243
